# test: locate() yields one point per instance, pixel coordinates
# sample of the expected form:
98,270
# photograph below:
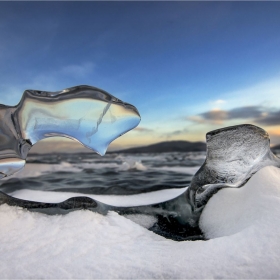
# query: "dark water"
111,174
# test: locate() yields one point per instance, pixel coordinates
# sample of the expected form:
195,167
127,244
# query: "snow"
114,200
256,204
243,224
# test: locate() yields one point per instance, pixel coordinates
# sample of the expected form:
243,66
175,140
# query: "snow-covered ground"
114,200
243,226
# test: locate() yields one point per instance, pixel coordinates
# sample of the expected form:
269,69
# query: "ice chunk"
83,113
234,154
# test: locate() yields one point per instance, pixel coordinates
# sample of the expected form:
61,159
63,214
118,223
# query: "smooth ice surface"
84,244
83,113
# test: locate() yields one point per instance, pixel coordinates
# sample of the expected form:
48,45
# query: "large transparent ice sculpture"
84,113
95,118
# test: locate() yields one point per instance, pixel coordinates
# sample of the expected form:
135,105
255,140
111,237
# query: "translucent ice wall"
83,113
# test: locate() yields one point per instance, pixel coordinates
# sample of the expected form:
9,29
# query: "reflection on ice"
95,118
87,114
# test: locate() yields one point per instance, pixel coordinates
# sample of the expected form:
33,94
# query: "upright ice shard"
83,113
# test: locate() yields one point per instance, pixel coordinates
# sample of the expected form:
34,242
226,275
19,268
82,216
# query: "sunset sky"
189,67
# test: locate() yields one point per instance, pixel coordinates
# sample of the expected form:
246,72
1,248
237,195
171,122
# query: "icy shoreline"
244,225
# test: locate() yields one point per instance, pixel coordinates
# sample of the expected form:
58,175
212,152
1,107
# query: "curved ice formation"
83,113
234,154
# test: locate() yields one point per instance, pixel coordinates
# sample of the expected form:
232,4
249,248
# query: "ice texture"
83,113
234,154
95,118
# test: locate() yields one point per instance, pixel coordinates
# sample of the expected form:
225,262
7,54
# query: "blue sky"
189,67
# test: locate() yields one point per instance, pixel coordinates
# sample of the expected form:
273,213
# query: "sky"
188,67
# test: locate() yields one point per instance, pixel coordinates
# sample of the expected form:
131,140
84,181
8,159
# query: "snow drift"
243,227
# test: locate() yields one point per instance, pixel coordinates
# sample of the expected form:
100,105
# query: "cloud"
215,116
247,112
272,118
258,114
142,129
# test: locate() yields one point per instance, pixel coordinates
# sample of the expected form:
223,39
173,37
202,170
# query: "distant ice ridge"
87,114
244,225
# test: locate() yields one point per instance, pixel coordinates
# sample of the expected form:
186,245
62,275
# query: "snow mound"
83,244
255,204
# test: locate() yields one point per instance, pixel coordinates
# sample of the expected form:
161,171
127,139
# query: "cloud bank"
257,114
